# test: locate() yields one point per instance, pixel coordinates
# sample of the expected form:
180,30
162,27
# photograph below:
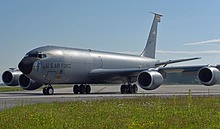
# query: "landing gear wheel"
133,89
45,90
129,89
75,89
123,89
88,89
48,90
82,89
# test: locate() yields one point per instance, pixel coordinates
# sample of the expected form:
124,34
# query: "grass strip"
10,88
143,112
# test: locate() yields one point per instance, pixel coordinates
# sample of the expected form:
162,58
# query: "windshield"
38,55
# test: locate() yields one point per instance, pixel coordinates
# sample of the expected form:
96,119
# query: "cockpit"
28,61
38,55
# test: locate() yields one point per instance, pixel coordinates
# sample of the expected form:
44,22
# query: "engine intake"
28,84
150,80
209,76
10,77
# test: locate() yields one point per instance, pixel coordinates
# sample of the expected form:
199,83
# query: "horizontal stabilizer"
175,61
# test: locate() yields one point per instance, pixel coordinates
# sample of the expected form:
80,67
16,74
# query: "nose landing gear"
48,90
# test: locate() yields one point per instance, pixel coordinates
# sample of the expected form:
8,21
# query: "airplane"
50,65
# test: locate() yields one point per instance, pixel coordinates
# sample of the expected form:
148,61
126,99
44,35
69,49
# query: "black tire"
129,89
88,89
123,89
50,90
45,91
82,89
133,89
75,89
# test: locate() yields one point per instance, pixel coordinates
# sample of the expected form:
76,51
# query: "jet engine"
10,77
209,76
150,80
28,84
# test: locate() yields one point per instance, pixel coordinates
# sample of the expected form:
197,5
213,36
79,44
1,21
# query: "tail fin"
150,48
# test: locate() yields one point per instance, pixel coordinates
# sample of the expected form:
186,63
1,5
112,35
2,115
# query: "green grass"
10,88
143,112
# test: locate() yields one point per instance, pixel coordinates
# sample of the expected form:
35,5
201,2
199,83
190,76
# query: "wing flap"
128,71
136,71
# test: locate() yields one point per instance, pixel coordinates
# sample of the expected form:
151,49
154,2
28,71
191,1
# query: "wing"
183,69
136,71
115,75
207,74
96,72
122,75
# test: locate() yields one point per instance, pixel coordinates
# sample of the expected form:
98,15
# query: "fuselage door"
97,62
100,63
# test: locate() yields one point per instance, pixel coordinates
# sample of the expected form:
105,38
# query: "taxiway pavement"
18,98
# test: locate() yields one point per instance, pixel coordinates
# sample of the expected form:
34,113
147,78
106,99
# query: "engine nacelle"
28,84
150,80
10,77
209,76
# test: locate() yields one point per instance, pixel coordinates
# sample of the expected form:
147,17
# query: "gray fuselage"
61,65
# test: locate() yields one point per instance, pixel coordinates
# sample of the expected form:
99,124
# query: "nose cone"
26,65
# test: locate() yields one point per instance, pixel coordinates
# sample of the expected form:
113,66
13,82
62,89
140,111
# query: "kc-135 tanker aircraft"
49,65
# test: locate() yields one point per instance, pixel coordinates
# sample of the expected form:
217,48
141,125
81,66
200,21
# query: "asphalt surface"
19,98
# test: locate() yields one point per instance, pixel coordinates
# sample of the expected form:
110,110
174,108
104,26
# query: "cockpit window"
42,56
31,55
37,55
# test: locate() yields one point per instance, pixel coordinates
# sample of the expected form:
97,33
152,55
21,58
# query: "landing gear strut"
129,89
82,89
48,90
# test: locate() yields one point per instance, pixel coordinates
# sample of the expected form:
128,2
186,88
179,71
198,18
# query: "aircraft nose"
26,65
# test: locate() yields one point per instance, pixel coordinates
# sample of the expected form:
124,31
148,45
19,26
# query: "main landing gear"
86,89
129,89
48,90
82,89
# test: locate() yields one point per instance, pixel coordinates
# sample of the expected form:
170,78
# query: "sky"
189,28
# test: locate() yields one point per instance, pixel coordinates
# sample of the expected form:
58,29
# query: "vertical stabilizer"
150,48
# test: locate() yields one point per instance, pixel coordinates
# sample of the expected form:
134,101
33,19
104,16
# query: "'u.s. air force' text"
57,65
